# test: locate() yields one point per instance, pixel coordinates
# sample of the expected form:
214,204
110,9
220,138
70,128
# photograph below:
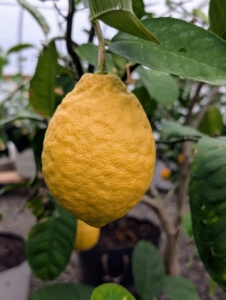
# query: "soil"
126,232
12,252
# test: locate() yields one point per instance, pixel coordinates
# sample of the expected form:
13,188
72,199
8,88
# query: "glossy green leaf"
148,270
111,291
37,146
19,47
186,50
23,115
36,14
217,17
173,129
119,14
186,224
139,8
89,52
161,87
50,244
178,288
42,85
63,291
35,204
148,103
208,206
212,122
200,14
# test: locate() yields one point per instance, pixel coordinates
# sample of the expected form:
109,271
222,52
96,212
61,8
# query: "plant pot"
14,270
7,163
110,259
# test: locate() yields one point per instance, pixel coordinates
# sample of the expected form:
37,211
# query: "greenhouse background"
18,26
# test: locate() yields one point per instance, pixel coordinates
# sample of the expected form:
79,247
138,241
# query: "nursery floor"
17,222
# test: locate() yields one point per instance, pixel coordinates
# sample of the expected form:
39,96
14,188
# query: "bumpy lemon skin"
86,236
99,151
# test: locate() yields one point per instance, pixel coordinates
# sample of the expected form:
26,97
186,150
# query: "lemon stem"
101,51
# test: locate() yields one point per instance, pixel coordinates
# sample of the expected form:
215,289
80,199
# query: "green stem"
101,51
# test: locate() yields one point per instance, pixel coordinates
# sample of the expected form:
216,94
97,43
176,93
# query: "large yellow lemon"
99,151
86,236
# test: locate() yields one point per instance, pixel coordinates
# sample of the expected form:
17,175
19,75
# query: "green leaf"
50,244
60,291
186,224
186,50
36,14
1,216
212,122
19,47
148,103
89,52
37,146
119,14
23,115
198,13
161,87
111,291
178,288
173,129
217,17
42,85
139,8
208,206
36,205
148,270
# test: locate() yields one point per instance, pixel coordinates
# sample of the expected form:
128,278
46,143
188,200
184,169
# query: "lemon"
86,236
99,151
165,173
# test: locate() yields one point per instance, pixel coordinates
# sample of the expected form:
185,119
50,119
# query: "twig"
171,193
183,183
165,113
131,69
69,42
154,192
193,102
101,48
205,108
59,11
167,225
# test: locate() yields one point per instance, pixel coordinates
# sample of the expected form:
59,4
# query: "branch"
205,108
69,43
183,184
193,102
159,209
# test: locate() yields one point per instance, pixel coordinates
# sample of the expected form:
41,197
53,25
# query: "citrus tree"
99,151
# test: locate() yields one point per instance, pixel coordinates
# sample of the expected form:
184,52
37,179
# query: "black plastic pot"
104,264
14,270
